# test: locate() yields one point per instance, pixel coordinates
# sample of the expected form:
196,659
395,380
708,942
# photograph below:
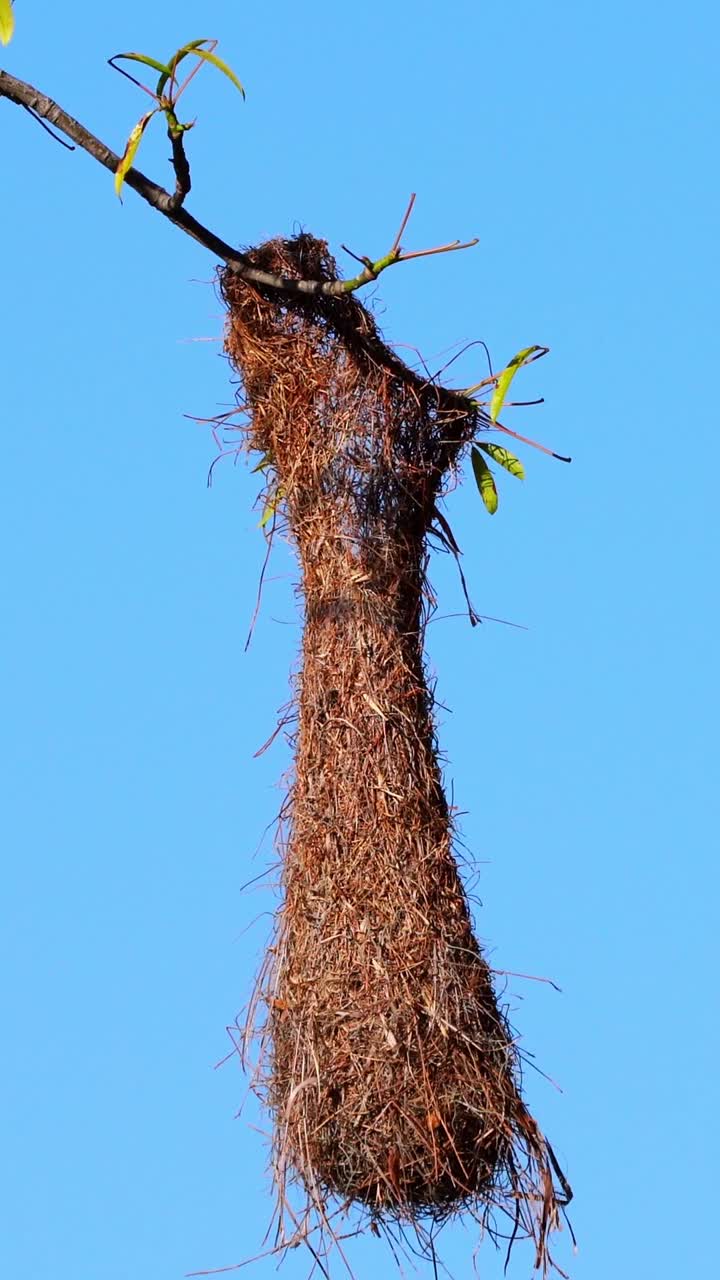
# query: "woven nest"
388,1065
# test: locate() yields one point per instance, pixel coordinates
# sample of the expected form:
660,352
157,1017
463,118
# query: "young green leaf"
7,21
271,505
484,481
146,61
263,464
194,47
506,377
504,458
130,151
176,58
221,66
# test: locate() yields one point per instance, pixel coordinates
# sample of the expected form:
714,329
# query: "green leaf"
485,481
263,464
130,151
506,377
146,61
504,458
7,21
271,505
221,66
173,62
195,47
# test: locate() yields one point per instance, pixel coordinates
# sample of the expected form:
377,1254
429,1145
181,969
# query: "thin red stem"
497,426
196,68
403,224
442,248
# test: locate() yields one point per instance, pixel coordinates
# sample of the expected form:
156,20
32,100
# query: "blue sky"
579,143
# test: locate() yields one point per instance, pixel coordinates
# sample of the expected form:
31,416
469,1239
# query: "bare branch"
396,254
403,224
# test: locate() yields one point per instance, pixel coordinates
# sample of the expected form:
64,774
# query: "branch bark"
183,180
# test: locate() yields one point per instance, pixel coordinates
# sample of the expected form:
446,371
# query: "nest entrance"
391,1073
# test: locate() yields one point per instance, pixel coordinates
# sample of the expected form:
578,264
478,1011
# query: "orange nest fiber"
388,1065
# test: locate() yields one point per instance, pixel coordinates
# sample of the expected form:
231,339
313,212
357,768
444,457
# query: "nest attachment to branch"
387,1063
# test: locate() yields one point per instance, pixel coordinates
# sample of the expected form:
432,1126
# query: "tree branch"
170,205
180,164
25,95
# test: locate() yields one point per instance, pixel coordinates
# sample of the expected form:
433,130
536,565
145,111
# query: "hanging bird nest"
387,1064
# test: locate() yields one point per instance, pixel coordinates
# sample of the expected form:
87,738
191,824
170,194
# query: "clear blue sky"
579,143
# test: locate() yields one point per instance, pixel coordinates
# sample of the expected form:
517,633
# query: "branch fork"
373,268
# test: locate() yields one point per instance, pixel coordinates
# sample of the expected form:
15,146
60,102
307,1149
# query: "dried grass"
387,1064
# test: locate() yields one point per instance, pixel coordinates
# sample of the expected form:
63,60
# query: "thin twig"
530,977
497,426
256,610
364,262
55,137
175,92
467,346
403,224
441,248
128,76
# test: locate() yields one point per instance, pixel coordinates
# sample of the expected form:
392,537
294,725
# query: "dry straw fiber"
389,1068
